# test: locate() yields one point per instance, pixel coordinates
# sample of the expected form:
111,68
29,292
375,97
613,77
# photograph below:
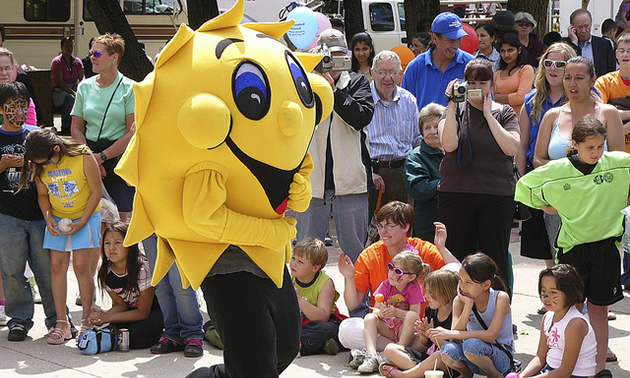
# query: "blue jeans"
180,309
479,348
351,220
22,241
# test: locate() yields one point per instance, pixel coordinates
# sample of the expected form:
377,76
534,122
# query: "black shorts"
599,265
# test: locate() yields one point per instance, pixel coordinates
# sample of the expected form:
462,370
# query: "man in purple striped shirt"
393,131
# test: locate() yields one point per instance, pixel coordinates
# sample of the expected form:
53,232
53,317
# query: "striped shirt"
394,130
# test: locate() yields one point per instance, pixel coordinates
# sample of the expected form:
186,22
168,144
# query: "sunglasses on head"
399,272
560,64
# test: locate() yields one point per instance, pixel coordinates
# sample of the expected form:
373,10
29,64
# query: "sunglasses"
47,162
560,64
399,272
96,54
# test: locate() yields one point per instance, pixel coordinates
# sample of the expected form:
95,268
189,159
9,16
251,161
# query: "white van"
384,20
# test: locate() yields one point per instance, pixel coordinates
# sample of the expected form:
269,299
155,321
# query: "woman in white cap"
525,23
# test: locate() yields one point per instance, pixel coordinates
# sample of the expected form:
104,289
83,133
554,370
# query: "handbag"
99,340
521,211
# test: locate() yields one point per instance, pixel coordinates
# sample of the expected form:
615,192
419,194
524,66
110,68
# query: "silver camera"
461,92
333,63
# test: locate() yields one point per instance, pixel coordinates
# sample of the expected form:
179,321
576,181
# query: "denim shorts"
89,236
479,348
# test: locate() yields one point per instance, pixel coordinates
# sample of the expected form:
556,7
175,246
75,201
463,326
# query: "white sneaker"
3,316
369,365
356,358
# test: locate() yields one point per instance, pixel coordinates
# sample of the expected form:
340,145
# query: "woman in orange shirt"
515,77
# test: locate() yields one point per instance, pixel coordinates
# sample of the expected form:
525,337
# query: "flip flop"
386,368
610,356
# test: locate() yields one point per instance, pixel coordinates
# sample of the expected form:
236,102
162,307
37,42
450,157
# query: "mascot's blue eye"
251,90
300,81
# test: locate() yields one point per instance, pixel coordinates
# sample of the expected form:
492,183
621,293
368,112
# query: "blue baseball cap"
449,24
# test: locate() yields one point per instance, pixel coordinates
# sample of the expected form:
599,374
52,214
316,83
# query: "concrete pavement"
34,358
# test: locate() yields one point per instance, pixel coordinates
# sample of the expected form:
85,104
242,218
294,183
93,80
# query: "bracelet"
103,156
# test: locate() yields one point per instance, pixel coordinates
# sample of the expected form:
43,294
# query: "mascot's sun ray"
222,129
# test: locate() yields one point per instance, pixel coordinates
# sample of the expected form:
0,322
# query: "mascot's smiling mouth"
275,181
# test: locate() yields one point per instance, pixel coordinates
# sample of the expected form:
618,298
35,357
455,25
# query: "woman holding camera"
476,191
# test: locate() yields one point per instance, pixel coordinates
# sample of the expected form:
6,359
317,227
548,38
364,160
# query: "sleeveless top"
68,189
558,146
555,334
310,291
506,337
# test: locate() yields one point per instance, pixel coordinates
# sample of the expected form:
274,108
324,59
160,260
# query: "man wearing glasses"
393,131
597,49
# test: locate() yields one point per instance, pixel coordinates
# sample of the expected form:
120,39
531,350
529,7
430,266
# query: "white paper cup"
433,374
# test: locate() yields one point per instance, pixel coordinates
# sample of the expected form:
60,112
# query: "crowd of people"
409,155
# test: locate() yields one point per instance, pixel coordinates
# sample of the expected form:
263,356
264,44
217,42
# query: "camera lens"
461,89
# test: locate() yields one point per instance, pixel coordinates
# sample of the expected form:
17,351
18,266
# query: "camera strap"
458,117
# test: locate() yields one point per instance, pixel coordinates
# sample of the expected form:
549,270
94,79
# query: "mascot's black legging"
259,324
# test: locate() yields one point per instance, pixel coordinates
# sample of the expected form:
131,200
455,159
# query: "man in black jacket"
598,49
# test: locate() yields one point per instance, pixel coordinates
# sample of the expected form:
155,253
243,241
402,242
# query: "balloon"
323,23
406,55
305,28
469,42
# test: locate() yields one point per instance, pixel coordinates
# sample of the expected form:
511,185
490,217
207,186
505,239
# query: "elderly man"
393,131
597,49
342,175
427,76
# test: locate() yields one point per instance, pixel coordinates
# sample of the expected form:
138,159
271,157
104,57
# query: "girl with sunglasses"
393,318
538,233
68,186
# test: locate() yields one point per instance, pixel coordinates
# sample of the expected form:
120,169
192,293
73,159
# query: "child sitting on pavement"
316,296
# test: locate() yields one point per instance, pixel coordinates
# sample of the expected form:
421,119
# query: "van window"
46,10
401,14
148,6
381,17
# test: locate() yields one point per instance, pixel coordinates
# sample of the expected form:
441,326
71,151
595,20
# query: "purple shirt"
70,74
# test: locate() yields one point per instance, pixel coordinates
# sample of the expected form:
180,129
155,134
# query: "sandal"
386,368
610,356
57,336
85,326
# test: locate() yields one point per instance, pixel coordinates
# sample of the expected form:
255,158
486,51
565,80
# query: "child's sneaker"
3,316
331,347
356,358
165,345
369,365
193,348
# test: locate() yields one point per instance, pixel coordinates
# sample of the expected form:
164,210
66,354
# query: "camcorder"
333,63
461,92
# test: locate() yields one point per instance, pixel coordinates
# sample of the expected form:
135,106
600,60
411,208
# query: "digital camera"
333,63
461,92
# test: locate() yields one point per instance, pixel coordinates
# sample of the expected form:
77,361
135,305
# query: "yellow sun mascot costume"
223,126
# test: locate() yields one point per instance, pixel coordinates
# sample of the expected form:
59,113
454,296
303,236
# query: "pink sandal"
85,326
58,336
386,368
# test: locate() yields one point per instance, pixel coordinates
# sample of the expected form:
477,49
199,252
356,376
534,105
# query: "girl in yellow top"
68,186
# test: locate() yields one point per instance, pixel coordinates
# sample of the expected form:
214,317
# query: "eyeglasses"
6,69
385,73
560,64
399,272
387,227
524,24
96,54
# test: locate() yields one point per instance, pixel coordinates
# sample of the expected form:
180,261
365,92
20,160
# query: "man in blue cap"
427,76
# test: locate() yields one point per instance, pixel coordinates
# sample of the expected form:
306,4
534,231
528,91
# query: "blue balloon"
305,28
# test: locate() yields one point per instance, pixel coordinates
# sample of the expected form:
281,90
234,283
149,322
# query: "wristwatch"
448,97
103,156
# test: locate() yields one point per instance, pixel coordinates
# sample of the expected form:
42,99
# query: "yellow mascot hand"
204,211
300,188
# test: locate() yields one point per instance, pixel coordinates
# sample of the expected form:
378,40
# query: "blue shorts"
87,237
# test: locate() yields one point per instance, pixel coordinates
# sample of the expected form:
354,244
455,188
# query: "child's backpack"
99,340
